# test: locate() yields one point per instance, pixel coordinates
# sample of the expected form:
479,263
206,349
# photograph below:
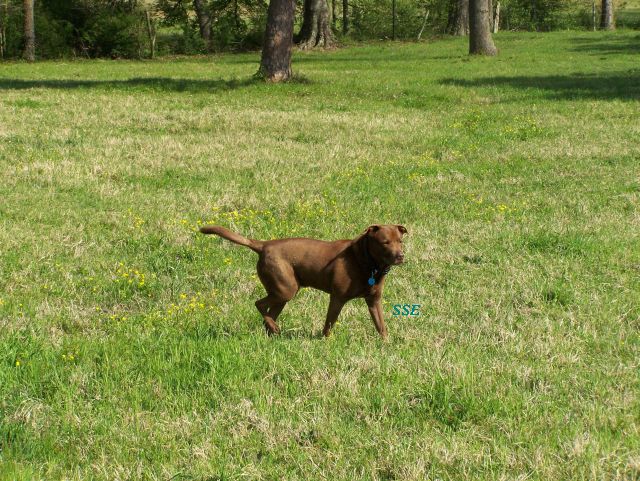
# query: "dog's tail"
252,244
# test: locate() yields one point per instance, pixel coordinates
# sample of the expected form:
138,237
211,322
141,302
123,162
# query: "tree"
151,31
4,14
394,17
606,20
496,19
334,14
204,23
315,30
480,40
275,65
29,51
459,18
345,17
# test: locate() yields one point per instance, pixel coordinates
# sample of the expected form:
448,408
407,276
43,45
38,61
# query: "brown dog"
346,269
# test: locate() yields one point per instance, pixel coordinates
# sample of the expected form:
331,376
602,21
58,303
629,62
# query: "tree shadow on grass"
164,84
607,44
605,86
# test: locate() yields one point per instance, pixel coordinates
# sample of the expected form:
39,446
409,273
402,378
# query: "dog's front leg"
335,306
375,309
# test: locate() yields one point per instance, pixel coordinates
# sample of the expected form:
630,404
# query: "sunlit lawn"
130,347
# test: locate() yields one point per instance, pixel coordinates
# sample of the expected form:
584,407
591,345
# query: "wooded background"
123,28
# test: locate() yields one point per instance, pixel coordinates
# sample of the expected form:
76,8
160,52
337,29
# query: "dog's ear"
402,229
372,228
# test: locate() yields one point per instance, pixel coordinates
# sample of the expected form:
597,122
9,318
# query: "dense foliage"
90,28
118,28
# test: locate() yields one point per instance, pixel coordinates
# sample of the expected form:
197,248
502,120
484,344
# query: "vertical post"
593,11
393,13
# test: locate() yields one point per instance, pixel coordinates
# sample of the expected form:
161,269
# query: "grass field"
130,347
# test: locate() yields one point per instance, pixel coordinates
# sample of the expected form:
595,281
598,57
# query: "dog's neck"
370,265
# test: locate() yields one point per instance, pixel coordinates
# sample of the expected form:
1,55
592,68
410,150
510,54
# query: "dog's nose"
400,257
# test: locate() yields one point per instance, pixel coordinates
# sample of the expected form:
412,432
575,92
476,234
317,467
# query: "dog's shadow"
221,331
297,333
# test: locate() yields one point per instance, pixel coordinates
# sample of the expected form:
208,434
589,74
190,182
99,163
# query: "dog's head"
385,243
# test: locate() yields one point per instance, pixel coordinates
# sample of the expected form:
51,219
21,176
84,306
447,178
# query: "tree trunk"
151,31
393,19
534,14
480,41
459,19
345,16
29,52
424,22
4,15
334,15
2,40
357,15
275,65
315,30
496,19
606,20
204,23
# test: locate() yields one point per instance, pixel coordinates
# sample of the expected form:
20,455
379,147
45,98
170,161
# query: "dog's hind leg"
270,308
280,282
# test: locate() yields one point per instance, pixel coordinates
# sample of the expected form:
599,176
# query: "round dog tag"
372,281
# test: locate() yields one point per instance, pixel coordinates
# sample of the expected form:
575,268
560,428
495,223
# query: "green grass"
130,347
